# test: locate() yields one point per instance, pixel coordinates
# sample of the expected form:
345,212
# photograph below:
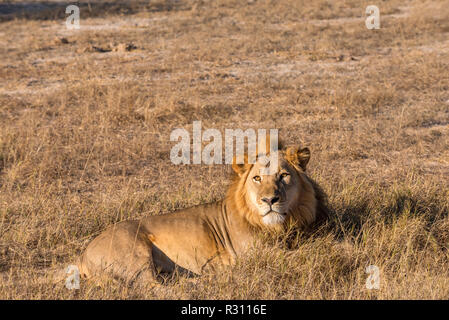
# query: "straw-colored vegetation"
86,116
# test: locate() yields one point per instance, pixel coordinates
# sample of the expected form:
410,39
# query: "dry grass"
84,137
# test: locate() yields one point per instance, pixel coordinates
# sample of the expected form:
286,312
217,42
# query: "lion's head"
273,200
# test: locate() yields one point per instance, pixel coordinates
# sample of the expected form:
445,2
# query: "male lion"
213,234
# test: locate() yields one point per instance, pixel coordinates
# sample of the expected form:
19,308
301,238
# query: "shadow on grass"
56,10
346,221
349,221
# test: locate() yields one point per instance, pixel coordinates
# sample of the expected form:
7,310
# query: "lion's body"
193,239
205,236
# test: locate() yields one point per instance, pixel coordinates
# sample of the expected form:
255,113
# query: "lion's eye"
257,178
283,175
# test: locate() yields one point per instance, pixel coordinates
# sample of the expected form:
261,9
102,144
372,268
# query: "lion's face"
273,196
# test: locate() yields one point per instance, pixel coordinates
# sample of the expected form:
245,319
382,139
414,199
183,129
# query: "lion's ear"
240,167
298,156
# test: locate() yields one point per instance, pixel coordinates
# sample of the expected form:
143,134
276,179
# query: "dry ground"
85,126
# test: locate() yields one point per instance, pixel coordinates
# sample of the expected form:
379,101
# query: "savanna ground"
86,117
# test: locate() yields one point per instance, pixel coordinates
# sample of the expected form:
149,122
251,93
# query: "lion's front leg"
218,261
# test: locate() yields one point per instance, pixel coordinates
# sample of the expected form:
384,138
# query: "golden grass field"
86,116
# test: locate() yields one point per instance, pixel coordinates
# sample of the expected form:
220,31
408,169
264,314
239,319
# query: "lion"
210,235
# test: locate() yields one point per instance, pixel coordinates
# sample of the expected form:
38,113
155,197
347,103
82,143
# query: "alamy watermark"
373,280
73,20
212,153
373,21
72,282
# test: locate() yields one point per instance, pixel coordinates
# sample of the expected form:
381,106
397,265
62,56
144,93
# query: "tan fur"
210,235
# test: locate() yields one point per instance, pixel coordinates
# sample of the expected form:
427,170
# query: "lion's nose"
271,200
